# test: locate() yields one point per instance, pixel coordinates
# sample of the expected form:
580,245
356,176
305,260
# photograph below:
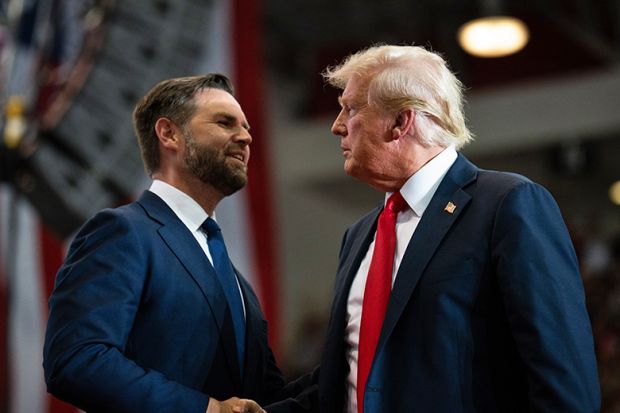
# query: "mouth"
345,151
239,156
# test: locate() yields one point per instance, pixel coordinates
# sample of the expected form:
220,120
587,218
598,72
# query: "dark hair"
172,99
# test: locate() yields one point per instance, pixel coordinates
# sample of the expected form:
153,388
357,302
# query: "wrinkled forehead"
356,89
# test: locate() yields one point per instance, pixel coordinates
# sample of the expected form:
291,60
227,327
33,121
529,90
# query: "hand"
234,405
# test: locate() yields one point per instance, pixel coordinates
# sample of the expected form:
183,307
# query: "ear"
167,132
405,119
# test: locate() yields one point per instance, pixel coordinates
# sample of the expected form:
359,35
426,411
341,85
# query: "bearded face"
215,165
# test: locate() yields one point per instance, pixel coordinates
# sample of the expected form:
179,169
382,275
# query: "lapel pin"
450,207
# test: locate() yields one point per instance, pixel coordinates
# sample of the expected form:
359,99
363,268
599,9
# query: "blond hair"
400,77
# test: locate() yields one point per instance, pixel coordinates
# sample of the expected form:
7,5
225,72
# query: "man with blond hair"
462,293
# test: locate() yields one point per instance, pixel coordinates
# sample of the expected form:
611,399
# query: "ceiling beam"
539,113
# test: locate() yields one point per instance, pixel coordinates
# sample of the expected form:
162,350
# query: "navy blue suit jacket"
487,312
139,322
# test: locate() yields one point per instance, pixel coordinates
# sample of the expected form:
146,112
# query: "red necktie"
377,291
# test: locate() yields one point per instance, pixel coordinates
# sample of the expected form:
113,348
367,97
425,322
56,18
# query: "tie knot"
210,226
396,203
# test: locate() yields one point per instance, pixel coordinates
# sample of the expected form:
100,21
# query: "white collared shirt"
190,213
418,192
186,208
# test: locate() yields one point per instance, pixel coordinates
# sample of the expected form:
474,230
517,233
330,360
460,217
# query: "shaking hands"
234,405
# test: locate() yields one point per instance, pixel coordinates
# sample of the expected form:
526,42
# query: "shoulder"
520,204
109,219
124,225
504,187
485,186
503,181
506,197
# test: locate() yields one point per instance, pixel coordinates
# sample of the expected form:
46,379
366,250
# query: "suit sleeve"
543,295
91,312
302,395
298,396
270,383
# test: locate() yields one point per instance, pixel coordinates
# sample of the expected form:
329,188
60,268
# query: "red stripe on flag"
249,79
51,258
52,255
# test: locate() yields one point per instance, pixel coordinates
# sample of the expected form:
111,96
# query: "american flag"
30,253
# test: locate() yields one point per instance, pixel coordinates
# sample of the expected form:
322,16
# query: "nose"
243,137
338,127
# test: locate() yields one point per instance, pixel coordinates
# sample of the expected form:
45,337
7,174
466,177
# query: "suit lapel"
355,246
353,258
433,226
184,246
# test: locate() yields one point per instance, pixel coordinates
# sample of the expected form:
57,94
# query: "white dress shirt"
190,213
418,192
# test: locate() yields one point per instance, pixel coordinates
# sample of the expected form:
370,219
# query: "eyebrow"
348,101
231,118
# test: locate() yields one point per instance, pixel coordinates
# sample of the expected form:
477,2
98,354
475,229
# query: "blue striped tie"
226,274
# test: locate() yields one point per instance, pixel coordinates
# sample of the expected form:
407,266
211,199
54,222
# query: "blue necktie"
226,275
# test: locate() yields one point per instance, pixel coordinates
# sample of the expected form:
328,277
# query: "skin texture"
379,147
234,405
208,158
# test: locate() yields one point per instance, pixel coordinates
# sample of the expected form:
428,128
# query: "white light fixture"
494,36
614,192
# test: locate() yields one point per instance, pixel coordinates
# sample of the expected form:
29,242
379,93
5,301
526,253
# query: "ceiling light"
614,192
494,36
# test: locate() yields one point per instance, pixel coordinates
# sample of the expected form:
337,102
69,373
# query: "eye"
349,110
227,123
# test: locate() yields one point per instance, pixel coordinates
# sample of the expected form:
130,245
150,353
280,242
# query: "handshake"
149,314
234,405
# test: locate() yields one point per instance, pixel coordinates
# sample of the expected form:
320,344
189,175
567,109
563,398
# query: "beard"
210,165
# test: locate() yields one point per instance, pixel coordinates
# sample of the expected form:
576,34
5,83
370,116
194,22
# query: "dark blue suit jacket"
487,312
139,322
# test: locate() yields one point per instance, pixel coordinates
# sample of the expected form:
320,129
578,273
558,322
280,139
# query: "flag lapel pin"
450,207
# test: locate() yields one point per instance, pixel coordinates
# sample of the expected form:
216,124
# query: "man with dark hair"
148,314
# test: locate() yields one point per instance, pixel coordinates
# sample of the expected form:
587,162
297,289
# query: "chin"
348,168
353,170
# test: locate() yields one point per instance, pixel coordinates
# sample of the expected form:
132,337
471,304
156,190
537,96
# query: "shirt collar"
421,186
184,206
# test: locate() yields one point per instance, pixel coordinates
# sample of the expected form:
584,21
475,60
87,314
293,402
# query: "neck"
423,156
406,167
204,194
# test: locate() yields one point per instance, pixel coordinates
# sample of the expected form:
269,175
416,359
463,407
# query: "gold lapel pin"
450,207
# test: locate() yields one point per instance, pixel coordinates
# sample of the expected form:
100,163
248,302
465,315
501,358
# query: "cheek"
357,136
363,145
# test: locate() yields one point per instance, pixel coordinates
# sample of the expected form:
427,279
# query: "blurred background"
72,70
